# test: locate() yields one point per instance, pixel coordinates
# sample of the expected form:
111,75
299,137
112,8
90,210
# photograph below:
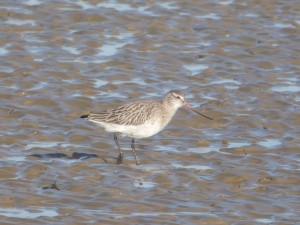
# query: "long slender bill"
186,104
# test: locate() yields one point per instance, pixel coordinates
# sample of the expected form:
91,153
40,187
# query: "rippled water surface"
238,60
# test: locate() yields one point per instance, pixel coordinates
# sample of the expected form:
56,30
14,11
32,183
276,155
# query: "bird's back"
134,113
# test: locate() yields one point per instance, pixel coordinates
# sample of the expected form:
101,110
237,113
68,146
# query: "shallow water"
238,60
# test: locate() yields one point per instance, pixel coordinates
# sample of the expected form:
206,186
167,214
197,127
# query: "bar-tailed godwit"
140,119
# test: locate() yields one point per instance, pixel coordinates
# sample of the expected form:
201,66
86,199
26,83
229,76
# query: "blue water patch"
192,167
32,2
48,145
71,50
238,144
226,2
6,69
213,16
110,49
291,88
29,213
270,143
144,184
283,25
3,51
117,6
168,5
265,220
85,5
203,149
99,83
19,22
195,69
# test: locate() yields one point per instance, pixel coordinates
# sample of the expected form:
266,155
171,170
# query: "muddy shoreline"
236,61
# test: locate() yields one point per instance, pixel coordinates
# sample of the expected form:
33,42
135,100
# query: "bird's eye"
178,97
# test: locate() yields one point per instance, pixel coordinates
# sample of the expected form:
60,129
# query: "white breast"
147,129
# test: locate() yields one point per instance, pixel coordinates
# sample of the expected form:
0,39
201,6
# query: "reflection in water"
238,144
195,69
144,184
269,143
33,2
29,213
289,88
110,49
19,22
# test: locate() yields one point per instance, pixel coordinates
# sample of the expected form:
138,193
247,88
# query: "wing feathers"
134,113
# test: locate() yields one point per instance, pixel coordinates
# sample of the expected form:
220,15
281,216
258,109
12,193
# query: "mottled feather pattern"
134,113
140,119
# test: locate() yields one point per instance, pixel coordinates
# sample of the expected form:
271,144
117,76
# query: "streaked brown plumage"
140,119
134,113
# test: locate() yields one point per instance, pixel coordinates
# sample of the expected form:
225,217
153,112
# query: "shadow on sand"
75,155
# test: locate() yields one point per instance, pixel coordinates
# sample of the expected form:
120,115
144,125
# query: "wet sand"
238,60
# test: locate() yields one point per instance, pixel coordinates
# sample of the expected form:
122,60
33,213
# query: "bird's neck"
169,111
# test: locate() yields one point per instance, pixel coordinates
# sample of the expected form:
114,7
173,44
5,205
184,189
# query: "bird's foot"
120,159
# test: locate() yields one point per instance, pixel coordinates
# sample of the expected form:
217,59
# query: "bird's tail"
85,116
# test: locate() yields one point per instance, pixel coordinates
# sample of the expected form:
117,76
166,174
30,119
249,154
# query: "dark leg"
120,157
133,151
